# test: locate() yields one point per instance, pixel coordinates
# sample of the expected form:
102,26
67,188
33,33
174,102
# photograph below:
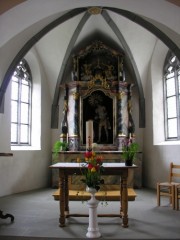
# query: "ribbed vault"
108,20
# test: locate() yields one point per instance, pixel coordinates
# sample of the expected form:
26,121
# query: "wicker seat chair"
167,189
177,196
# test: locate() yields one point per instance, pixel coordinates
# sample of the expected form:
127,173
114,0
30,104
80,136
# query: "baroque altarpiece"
99,92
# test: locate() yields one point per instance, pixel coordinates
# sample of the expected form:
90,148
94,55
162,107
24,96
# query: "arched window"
21,105
172,97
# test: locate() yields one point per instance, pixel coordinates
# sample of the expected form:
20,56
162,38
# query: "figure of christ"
102,117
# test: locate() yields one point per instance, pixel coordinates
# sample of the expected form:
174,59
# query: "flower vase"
93,229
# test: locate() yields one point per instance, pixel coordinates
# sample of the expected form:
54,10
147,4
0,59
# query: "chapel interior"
79,53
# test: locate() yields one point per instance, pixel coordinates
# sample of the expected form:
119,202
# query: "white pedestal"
93,229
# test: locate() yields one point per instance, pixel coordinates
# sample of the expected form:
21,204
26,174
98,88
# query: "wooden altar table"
66,169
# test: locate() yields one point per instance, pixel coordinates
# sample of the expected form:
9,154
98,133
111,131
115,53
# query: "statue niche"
99,108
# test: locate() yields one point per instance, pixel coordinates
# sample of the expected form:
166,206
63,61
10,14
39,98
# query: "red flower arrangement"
92,169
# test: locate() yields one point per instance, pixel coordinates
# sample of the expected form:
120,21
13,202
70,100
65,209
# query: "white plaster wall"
4,125
27,169
157,154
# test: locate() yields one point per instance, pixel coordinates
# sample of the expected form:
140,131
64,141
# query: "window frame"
175,68
22,75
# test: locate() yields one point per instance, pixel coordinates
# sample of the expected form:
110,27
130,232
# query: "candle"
89,135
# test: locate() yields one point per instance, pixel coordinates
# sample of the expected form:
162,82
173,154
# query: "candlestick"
89,135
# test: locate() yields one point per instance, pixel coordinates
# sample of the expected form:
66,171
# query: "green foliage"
59,146
129,149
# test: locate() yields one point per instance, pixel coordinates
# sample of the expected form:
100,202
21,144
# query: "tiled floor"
37,215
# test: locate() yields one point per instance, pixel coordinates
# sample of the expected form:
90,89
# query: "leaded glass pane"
25,93
172,128
173,59
171,107
170,75
170,85
170,68
14,79
14,133
24,113
25,82
24,134
14,91
14,111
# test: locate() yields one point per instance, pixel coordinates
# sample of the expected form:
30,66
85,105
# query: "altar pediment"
98,61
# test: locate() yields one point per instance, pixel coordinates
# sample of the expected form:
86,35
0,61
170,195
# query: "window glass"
171,107
170,75
14,132
24,113
21,105
179,80
24,134
25,93
170,87
14,111
14,94
173,59
172,97
172,128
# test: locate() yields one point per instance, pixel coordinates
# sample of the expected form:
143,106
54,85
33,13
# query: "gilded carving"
95,10
75,95
120,95
97,61
98,81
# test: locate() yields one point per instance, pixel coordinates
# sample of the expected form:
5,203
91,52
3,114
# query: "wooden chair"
167,189
177,196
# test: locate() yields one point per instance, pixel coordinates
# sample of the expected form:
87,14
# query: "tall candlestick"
89,135
67,139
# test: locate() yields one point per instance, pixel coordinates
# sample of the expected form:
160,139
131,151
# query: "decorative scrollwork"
98,81
75,95
120,95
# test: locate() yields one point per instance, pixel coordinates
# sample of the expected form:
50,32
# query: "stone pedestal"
93,229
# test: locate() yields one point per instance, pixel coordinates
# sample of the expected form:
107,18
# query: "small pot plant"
59,146
129,151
